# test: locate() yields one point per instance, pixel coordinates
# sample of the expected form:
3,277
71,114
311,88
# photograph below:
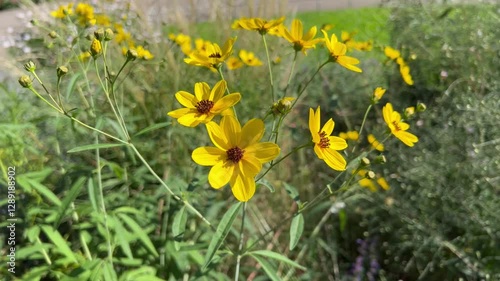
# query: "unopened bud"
370,175
89,36
34,22
108,34
53,34
365,162
61,71
381,159
95,48
30,66
421,107
282,106
25,81
99,34
409,111
131,55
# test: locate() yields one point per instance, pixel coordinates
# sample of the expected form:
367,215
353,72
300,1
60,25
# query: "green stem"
240,247
46,101
291,73
363,124
283,158
43,86
308,82
59,93
269,65
80,234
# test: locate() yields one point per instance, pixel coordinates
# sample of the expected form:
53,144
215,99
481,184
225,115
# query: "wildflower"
30,66
122,36
383,183
84,56
409,111
213,57
421,107
360,45
234,63
108,34
95,48
368,183
143,53
300,41
25,81
326,26
350,135
61,71
204,104
257,24
391,53
398,128
378,93
237,156
337,53
325,145
85,14
375,143
282,106
249,58
102,20
62,11
405,73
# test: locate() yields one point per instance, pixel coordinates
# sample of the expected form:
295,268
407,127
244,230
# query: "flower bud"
380,159
30,66
282,106
99,34
89,36
53,34
365,162
25,81
108,34
131,55
34,22
421,107
409,111
370,175
61,71
95,48
378,93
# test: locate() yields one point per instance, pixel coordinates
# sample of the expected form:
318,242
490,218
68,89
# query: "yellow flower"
213,57
84,56
391,53
409,111
347,36
234,63
237,156
300,41
337,53
85,14
249,58
141,52
62,11
378,93
326,26
204,104
359,45
257,24
102,20
368,183
405,73
383,183
375,143
351,135
325,145
122,36
398,128
95,48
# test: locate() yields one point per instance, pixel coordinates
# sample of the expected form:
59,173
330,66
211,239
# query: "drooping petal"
337,143
319,152
310,34
407,138
252,132
349,63
186,99
189,119
208,155
387,112
217,136
243,188
218,91
220,174
226,102
263,151
232,130
334,160
328,127
403,126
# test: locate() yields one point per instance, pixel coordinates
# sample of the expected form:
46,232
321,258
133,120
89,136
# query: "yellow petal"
297,29
319,152
251,133
226,102
334,160
314,123
186,99
243,188
202,91
218,91
328,127
249,166
339,49
208,155
310,34
220,174
217,136
180,112
387,112
263,151
407,138
231,129
337,143
190,119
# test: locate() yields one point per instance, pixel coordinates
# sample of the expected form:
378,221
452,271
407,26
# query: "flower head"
378,93
350,135
391,53
237,156
375,143
234,63
85,13
257,24
300,41
213,57
249,58
204,104
325,145
337,53
62,11
405,73
397,126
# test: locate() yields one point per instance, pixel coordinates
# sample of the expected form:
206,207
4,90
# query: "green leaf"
40,188
71,85
109,272
179,227
220,234
92,194
59,242
267,184
152,128
120,234
69,197
278,257
94,146
296,229
268,267
139,231
343,220
292,192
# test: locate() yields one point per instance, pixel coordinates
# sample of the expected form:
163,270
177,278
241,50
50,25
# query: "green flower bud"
61,71
370,175
108,34
99,34
381,159
421,107
53,34
131,55
25,81
30,66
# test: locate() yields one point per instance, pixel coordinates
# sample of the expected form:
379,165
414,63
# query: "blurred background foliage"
439,220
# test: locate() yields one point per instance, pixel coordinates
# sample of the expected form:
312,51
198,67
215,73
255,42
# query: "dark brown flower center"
215,56
204,106
396,126
235,154
324,142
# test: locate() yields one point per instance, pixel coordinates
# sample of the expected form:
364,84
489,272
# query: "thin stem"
307,83
271,80
363,124
240,247
59,93
291,73
282,158
46,101
82,238
43,86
